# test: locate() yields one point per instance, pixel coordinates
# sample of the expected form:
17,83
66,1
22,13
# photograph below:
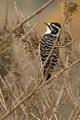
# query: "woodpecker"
45,46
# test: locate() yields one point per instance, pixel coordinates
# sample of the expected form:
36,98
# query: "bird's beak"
46,24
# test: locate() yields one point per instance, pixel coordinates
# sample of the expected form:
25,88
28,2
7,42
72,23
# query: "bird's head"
52,28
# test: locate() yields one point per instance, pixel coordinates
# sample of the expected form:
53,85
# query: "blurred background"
52,13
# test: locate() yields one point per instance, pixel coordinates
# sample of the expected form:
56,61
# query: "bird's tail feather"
48,75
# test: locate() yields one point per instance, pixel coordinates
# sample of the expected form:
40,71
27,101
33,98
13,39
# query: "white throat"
48,30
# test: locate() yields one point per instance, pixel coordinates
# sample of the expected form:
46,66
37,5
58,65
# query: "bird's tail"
47,75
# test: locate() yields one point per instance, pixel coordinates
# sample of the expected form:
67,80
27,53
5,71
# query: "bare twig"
13,109
8,48
57,75
6,16
29,17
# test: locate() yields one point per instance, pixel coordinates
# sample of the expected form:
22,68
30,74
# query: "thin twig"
6,16
13,109
29,18
45,111
8,48
57,75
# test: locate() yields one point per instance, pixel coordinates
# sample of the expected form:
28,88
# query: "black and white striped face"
53,28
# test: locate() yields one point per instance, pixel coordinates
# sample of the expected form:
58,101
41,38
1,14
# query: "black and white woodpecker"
45,46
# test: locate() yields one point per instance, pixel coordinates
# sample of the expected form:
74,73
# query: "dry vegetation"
24,93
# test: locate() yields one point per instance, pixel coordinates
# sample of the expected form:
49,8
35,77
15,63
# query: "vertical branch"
6,16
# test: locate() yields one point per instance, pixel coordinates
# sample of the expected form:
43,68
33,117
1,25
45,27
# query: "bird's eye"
54,29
